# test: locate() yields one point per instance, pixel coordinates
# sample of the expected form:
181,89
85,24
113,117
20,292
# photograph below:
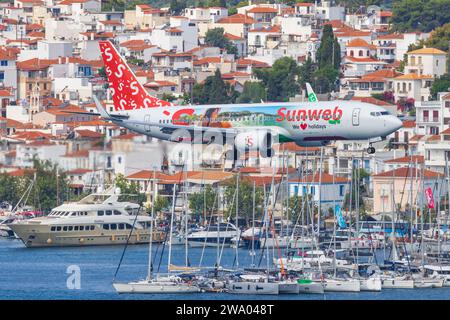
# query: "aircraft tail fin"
126,91
310,92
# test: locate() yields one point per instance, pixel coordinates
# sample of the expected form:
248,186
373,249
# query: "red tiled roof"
262,10
372,100
35,64
261,180
62,111
231,37
78,171
111,22
237,18
254,63
20,172
272,29
103,35
358,42
391,36
407,159
77,154
89,134
363,60
155,84
409,124
408,172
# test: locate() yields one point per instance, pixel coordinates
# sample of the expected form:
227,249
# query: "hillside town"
50,63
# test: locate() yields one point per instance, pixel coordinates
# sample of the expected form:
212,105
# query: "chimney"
59,60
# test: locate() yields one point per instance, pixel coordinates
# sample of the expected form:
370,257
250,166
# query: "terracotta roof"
232,37
363,60
77,154
391,36
36,34
61,111
127,136
408,172
35,64
69,2
434,137
262,10
358,42
407,159
446,97
409,123
261,180
111,22
174,30
385,13
417,137
372,100
315,178
237,18
307,4
254,63
89,134
413,76
162,83
207,60
427,51
34,27
39,143
20,172
103,35
351,33
5,93
31,135
78,171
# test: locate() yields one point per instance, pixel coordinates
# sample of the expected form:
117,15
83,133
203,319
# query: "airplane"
245,126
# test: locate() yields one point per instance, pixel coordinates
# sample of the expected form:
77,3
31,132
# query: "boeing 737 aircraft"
250,126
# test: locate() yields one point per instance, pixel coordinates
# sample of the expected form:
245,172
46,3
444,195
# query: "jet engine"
257,140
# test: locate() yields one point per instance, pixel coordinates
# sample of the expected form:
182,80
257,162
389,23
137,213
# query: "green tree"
177,6
168,97
203,202
245,199
280,80
300,208
329,52
253,92
325,79
161,203
51,188
442,84
306,71
359,176
419,15
130,190
216,38
214,91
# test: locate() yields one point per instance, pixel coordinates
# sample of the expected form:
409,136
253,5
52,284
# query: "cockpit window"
384,113
379,114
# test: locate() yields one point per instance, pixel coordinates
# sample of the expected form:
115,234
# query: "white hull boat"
250,287
309,286
288,287
428,283
155,286
370,284
337,285
397,283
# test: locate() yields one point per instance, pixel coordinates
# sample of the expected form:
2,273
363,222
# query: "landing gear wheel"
370,150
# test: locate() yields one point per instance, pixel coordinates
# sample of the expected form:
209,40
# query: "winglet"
310,92
100,109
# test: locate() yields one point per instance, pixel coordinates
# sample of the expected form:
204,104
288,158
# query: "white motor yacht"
169,284
98,219
214,235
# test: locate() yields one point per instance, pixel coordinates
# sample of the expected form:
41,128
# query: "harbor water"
47,273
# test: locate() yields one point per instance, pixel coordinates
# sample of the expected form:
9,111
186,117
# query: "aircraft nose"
395,123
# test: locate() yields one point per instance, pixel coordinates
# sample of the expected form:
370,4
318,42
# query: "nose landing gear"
370,149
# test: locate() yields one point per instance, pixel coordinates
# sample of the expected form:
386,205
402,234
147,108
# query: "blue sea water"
40,273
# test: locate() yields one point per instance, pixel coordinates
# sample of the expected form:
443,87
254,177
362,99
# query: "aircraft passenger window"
121,226
128,226
67,213
108,212
384,113
117,213
65,228
70,228
92,227
58,228
106,226
81,228
100,213
53,229
113,226
75,228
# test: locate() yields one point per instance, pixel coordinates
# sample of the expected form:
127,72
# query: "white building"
427,61
43,150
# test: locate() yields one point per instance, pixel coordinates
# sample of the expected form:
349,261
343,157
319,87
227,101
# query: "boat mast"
237,221
150,262
171,227
186,219
253,225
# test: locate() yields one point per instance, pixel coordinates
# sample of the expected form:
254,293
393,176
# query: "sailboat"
159,284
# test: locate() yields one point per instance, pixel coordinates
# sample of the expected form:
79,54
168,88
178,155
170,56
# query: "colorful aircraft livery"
126,91
308,123
310,114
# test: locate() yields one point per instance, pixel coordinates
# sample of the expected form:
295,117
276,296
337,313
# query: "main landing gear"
370,149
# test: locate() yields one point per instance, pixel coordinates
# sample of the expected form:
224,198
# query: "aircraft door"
355,117
147,119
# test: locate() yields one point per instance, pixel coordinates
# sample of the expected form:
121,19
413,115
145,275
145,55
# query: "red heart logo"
303,126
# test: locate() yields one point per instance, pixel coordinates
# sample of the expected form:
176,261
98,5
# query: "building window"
360,53
2,75
4,63
341,190
313,190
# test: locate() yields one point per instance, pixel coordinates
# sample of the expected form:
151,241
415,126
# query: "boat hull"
397,284
331,285
288,288
155,288
370,284
312,288
247,287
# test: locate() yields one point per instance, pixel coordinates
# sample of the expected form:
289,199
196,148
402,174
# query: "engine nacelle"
257,140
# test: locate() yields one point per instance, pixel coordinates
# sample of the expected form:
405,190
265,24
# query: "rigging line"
208,226
126,243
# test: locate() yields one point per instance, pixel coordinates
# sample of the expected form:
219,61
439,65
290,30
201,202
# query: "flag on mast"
430,199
